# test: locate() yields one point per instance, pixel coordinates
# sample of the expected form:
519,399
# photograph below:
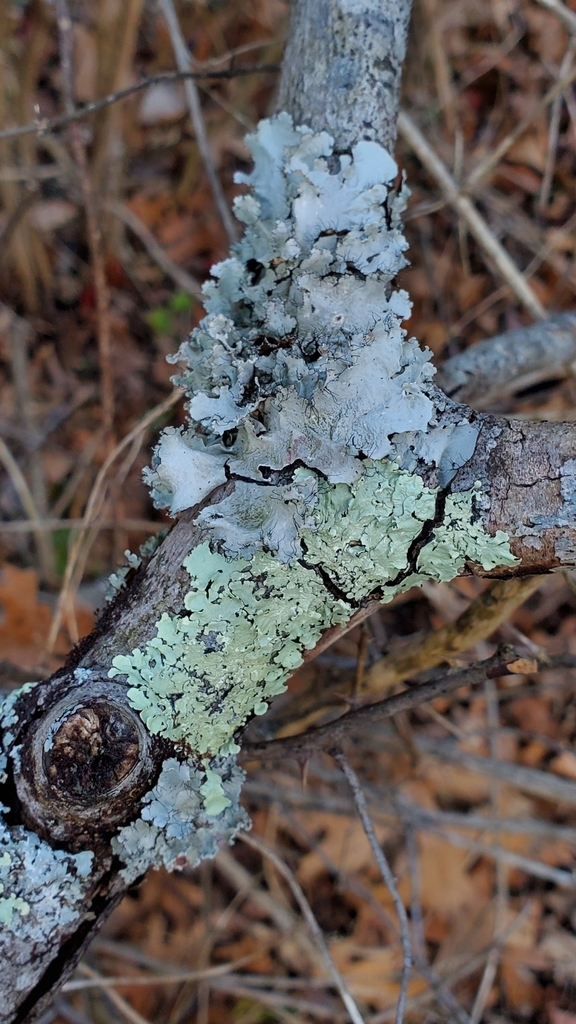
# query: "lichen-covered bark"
330,471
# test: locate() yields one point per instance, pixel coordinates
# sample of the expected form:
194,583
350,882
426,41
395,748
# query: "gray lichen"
301,357
187,815
41,889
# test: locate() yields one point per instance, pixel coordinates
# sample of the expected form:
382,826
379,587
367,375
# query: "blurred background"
108,226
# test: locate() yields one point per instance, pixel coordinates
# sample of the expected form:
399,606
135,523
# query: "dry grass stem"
86,535
65,31
184,63
387,875
181,277
311,921
478,227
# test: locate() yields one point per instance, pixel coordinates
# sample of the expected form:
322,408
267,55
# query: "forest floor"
483,857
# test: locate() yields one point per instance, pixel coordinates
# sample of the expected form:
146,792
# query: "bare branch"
493,369
43,125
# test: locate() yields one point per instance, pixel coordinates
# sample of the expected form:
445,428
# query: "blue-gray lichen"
184,819
41,889
301,356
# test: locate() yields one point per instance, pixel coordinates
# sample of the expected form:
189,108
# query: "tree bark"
342,74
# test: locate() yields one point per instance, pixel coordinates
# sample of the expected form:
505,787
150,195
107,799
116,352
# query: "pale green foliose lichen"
248,622
247,625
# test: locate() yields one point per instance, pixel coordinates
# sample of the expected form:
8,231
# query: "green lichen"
248,622
215,799
10,905
363,533
247,626
459,539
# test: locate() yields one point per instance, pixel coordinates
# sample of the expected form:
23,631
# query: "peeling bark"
79,726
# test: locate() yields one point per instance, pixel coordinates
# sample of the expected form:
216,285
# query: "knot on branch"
84,765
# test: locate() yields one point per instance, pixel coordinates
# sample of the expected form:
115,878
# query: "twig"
92,221
554,129
43,125
311,921
485,167
443,994
20,334
184,63
20,485
53,524
452,974
328,736
493,369
387,875
244,883
141,981
563,879
531,780
184,280
93,507
476,224
491,966
482,618
275,1001
127,1011
563,12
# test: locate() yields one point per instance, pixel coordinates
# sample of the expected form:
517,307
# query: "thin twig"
94,506
531,780
54,524
554,128
20,485
475,222
311,921
127,1011
50,124
442,992
387,875
479,620
97,981
486,166
20,334
491,965
563,12
184,63
181,277
327,736
65,32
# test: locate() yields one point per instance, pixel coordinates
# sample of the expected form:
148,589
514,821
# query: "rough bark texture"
343,68
342,73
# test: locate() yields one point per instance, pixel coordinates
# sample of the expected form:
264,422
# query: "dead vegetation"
445,835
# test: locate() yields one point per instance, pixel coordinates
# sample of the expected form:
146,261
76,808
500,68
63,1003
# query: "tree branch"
321,470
